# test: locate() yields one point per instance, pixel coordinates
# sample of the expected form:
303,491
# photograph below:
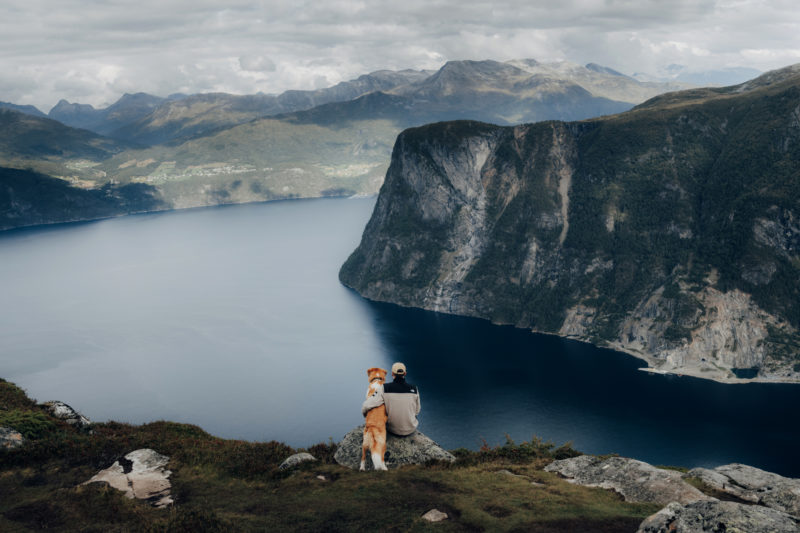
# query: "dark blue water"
233,319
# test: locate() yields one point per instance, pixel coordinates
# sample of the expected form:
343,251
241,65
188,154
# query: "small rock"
66,413
704,516
412,449
296,459
753,485
10,438
322,478
510,474
434,515
635,480
140,474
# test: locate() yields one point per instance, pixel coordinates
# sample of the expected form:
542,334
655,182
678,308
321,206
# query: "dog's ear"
371,370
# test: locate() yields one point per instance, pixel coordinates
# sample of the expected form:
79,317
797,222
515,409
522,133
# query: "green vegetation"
224,485
28,198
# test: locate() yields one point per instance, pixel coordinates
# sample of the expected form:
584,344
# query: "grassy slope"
223,485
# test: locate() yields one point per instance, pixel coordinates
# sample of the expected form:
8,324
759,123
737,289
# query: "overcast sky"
93,51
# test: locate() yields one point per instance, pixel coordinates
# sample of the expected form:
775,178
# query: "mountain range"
671,231
217,148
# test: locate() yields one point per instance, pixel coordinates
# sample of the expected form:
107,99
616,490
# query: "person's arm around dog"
372,402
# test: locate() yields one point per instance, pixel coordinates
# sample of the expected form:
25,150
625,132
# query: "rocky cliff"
671,232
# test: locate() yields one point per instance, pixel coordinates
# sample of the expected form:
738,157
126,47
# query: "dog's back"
375,428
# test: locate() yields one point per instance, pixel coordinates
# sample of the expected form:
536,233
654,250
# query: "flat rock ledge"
413,449
296,459
10,438
705,516
753,485
635,480
66,413
140,474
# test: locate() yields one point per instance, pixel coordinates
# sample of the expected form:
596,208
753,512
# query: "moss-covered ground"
229,485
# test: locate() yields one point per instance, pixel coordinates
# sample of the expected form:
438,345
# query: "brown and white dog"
375,429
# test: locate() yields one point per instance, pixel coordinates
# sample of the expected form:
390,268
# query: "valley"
212,149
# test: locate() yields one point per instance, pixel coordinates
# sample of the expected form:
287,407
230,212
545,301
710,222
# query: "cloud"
256,63
93,50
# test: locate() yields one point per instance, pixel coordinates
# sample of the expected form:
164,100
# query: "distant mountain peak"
603,70
27,109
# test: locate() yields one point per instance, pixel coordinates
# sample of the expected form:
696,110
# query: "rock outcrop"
413,449
655,232
10,438
296,459
140,474
634,480
753,485
706,516
66,413
434,515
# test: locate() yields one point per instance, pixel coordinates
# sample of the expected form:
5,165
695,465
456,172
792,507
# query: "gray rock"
66,413
635,480
434,515
413,449
10,438
141,474
705,516
753,485
296,459
509,473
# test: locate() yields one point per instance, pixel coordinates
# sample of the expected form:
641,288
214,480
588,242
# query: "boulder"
140,474
66,413
635,480
10,438
434,515
412,449
296,459
705,516
753,485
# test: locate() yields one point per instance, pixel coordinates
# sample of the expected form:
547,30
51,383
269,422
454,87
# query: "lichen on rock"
705,516
296,459
636,481
10,438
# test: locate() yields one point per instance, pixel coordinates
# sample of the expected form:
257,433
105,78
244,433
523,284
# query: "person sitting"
401,400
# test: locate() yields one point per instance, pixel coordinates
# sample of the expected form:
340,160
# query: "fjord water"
233,319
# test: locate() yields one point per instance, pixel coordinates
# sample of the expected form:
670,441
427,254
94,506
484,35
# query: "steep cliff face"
671,232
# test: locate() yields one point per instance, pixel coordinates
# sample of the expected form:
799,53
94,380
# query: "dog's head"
377,375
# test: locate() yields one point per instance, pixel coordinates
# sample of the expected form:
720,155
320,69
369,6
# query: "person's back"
401,400
402,406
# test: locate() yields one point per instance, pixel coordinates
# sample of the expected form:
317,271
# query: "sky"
93,51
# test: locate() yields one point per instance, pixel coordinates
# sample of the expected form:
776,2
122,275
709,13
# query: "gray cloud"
94,50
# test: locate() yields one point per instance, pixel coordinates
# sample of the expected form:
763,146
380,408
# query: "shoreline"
651,361
697,372
88,220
